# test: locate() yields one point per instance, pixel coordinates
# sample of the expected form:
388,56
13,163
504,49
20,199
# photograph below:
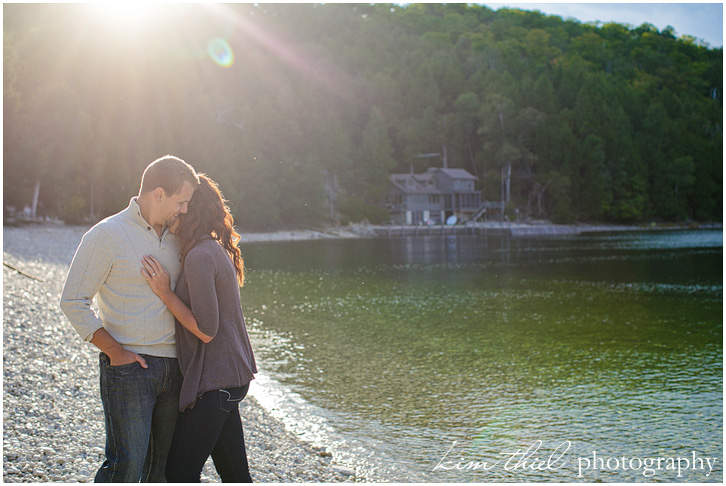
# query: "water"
463,359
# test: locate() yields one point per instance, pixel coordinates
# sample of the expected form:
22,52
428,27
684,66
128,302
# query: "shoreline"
534,229
493,228
538,228
53,426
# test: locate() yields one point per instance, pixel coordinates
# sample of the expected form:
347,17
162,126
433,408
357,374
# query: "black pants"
213,427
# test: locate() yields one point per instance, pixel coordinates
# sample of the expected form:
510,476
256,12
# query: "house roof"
414,183
454,173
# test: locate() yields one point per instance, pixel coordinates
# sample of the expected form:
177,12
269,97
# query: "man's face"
172,206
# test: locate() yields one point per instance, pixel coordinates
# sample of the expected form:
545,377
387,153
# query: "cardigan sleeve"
200,271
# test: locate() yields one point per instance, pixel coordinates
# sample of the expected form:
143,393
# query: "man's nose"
184,208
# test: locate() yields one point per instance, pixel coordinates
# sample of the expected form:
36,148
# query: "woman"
213,348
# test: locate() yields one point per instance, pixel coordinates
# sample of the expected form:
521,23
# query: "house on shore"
433,196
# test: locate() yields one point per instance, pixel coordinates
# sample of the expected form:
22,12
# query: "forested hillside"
580,122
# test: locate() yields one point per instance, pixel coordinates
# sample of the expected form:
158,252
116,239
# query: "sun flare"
124,14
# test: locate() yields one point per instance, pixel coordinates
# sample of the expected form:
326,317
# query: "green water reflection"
611,342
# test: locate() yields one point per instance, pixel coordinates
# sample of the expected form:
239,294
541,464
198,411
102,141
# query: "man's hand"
125,356
116,353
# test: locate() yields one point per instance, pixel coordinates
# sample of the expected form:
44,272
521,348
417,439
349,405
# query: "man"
139,374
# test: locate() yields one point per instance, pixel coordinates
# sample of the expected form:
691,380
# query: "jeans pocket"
119,370
229,398
124,369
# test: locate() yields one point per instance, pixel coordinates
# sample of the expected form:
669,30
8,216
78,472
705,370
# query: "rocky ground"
52,415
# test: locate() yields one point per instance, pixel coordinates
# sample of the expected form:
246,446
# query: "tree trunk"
508,182
36,195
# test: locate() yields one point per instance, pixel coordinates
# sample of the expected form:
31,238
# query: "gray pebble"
345,471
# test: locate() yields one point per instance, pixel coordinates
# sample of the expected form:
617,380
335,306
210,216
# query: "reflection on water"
400,352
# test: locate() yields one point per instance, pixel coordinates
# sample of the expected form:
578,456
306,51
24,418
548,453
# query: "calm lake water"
475,359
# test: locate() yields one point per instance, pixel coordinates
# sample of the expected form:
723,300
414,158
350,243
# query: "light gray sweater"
107,266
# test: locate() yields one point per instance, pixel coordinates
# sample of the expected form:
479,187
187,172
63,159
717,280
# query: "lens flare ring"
220,52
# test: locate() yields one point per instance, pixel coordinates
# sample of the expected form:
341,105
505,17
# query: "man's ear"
159,193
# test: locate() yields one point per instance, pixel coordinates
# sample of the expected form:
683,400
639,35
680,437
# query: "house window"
434,199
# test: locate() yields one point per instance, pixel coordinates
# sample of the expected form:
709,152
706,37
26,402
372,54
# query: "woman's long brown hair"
208,215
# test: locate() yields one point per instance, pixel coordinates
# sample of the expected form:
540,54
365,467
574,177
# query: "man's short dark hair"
169,173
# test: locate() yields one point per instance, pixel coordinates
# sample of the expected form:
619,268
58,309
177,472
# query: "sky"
700,20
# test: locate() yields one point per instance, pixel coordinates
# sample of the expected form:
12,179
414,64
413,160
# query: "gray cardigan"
208,285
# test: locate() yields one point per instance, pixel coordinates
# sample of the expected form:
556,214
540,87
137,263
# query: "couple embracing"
175,357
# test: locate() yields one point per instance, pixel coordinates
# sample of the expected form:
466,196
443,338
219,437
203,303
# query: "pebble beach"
52,415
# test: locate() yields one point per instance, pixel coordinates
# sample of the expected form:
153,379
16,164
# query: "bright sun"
124,14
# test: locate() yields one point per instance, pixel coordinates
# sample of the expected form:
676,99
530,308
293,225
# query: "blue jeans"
140,407
213,427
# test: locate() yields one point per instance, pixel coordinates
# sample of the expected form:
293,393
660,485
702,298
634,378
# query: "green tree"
568,121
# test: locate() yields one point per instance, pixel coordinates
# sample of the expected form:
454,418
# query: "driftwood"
22,272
